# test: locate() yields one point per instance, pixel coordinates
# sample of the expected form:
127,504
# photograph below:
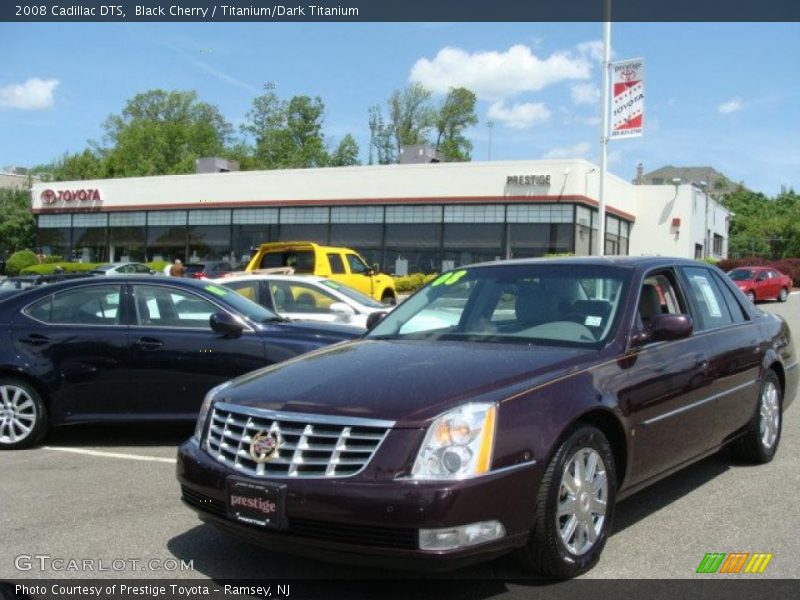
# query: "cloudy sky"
724,95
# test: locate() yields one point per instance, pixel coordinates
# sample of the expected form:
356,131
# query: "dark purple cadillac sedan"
505,406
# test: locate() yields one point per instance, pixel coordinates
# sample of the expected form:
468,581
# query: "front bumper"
372,522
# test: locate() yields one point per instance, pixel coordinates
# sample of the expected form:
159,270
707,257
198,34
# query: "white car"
306,297
128,268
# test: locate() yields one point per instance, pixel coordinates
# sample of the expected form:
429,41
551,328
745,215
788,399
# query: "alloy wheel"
17,414
582,501
770,411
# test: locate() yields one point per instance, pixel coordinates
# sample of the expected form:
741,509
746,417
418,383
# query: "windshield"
345,290
251,310
566,304
742,274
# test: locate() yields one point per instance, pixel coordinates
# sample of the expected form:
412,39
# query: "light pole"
601,196
490,125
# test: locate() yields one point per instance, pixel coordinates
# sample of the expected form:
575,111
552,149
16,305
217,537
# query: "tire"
760,443
551,550
751,296
23,415
389,298
784,295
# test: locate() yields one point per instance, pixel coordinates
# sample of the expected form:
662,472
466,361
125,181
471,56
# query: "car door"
301,301
175,355
734,352
761,285
76,339
665,382
360,274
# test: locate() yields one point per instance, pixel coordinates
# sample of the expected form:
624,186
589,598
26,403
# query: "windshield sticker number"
218,291
592,321
709,296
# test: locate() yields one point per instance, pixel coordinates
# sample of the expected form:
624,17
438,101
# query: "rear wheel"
764,430
784,295
751,296
574,508
23,416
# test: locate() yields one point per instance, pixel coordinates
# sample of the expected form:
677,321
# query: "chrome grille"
311,445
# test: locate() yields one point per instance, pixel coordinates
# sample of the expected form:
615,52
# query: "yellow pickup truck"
339,264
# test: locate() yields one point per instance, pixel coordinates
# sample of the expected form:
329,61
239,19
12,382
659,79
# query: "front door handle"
146,343
701,361
35,339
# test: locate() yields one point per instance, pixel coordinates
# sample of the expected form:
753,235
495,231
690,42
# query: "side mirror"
376,267
226,324
343,312
375,318
666,328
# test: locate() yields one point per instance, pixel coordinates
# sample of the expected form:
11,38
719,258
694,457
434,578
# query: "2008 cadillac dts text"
504,407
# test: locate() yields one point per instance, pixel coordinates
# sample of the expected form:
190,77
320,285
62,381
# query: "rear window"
301,261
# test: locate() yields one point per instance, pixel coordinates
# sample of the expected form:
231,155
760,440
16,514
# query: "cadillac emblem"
264,446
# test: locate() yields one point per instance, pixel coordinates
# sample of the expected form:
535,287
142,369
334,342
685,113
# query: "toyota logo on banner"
50,196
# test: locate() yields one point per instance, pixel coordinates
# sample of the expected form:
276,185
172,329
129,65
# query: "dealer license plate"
259,504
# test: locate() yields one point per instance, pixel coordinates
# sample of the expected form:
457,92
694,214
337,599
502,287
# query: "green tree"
456,113
380,139
346,153
287,135
161,132
411,115
17,225
762,226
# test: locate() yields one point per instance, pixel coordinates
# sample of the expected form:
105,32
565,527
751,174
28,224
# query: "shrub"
408,284
68,267
158,265
20,260
55,258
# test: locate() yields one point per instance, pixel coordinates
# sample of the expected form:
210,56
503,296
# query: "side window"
711,307
95,305
161,306
142,268
738,313
248,289
357,266
337,265
659,296
300,298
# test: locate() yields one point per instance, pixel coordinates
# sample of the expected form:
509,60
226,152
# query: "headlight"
458,444
205,407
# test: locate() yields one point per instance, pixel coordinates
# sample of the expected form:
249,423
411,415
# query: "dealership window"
540,213
166,242
357,214
89,237
478,213
539,239
412,248
612,246
304,233
53,235
414,214
210,242
466,243
583,231
357,236
304,215
252,227
126,237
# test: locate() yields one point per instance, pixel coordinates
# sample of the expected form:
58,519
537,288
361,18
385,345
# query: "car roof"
645,262
262,276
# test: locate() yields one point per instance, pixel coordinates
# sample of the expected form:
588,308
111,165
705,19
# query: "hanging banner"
627,104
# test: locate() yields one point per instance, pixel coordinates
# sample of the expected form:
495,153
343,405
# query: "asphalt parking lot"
109,493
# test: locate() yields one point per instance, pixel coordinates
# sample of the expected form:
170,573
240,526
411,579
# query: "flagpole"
601,197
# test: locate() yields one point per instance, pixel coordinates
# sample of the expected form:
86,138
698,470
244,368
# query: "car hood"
409,382
337,331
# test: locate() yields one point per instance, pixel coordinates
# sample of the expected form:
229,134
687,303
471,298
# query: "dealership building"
406,217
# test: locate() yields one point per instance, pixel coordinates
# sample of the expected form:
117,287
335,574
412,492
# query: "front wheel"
574,507
784,295
388,298
752,297
23,416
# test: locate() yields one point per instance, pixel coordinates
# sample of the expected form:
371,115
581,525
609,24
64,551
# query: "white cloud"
34,94
519,116
731,106
593,49
496,75
585,93
579,150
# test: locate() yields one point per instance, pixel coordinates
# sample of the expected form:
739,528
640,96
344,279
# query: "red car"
761,283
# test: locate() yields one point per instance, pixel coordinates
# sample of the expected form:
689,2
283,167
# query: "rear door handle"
148,343
35,339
